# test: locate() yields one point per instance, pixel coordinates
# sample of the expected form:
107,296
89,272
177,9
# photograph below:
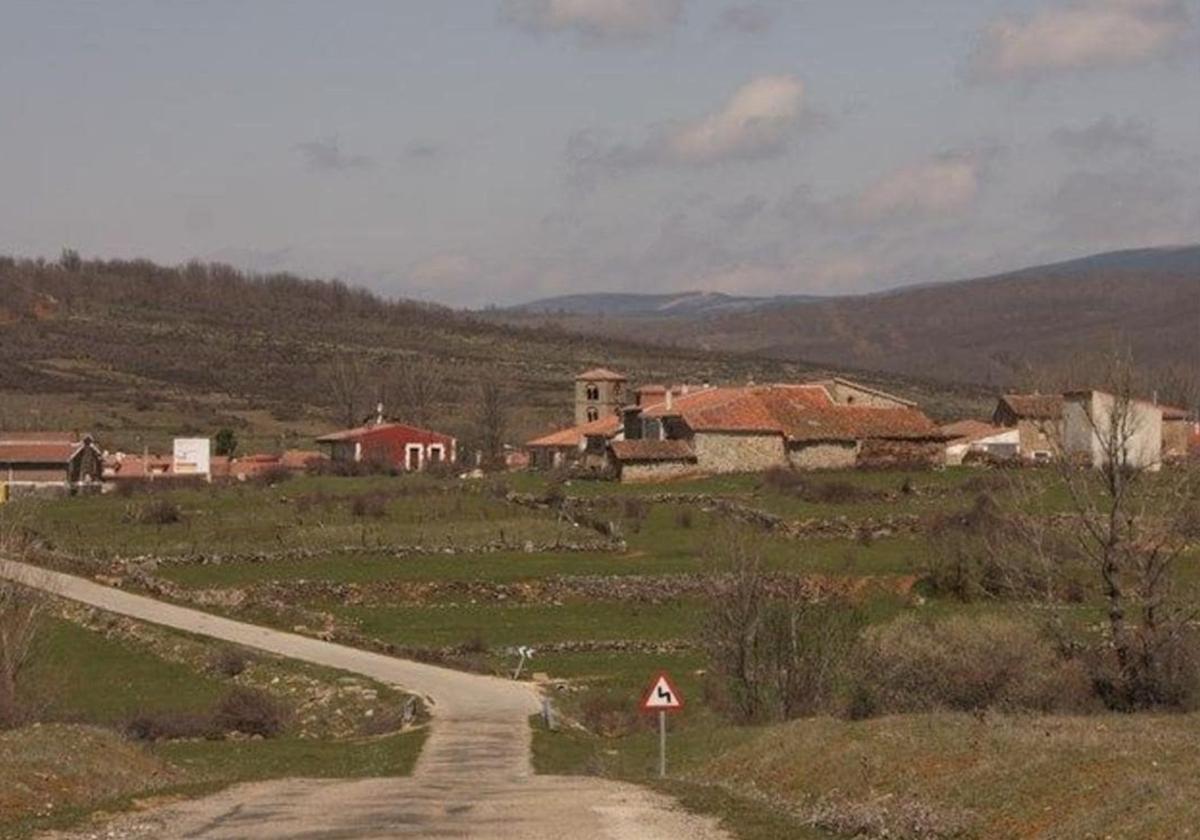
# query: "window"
593,392
592,414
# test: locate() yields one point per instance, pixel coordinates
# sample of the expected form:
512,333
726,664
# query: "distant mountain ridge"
993,329
632,304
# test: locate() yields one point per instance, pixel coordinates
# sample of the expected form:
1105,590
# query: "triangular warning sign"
663,696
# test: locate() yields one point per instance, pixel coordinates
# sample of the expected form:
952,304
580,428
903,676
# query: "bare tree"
491,421
415,389
19,611
774,654
1128,523
348,379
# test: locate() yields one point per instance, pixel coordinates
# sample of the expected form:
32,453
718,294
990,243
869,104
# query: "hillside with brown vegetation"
997,330
139,352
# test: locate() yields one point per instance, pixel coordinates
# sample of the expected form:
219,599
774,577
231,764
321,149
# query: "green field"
96,675
603,620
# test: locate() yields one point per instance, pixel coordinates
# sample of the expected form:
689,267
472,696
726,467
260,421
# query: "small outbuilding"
33,461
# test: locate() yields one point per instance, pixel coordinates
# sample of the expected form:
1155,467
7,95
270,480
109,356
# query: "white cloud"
595,20
754,122
1080,35
757,121
938,187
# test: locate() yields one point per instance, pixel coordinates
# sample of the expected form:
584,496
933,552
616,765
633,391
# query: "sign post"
662,697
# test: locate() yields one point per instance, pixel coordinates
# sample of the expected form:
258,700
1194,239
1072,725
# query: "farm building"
49,460
1095,423
686,429
583,444
967,438
390,445
1037,419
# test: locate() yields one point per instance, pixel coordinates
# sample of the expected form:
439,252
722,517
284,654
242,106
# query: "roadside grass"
991,776
79,675
1021,776
96,681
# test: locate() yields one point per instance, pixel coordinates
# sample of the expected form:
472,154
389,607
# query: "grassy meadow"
607,583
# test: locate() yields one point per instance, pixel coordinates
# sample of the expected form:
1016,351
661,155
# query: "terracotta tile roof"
1034,406
652,450
39,437
600,375
607,426
798,412
1170,412
37,453
964,430
849,423
385,429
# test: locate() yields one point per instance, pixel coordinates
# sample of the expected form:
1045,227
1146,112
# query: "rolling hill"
682,304
139,352
992,330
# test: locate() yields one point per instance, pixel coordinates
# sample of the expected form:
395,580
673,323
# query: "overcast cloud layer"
502,150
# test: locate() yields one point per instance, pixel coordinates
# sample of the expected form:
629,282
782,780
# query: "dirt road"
473,778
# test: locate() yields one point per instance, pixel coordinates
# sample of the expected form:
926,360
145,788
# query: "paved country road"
473,778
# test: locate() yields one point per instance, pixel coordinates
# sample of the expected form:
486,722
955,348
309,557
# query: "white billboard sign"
193,457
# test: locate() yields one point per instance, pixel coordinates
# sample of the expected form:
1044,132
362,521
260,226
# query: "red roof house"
390,445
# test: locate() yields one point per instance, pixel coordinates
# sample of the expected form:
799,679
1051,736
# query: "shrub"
771,658
230,662
965,664
250,712
608,715
685,518
159,512
985,553
1165,674
169,726
272,475
475,643
368,504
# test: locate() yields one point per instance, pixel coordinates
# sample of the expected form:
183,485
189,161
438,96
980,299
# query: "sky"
479,152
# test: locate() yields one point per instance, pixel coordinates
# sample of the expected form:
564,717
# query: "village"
649,433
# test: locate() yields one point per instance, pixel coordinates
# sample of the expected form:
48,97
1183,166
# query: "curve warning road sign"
663,696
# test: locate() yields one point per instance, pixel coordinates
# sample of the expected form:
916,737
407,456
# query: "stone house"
1037,419
584,444
759,427
1095,423
37,461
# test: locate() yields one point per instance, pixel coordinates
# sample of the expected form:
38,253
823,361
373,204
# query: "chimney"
379,414
670,399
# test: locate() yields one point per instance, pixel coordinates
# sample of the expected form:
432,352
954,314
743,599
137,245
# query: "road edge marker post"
662,697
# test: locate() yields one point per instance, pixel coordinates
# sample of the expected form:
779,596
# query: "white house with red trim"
394,445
